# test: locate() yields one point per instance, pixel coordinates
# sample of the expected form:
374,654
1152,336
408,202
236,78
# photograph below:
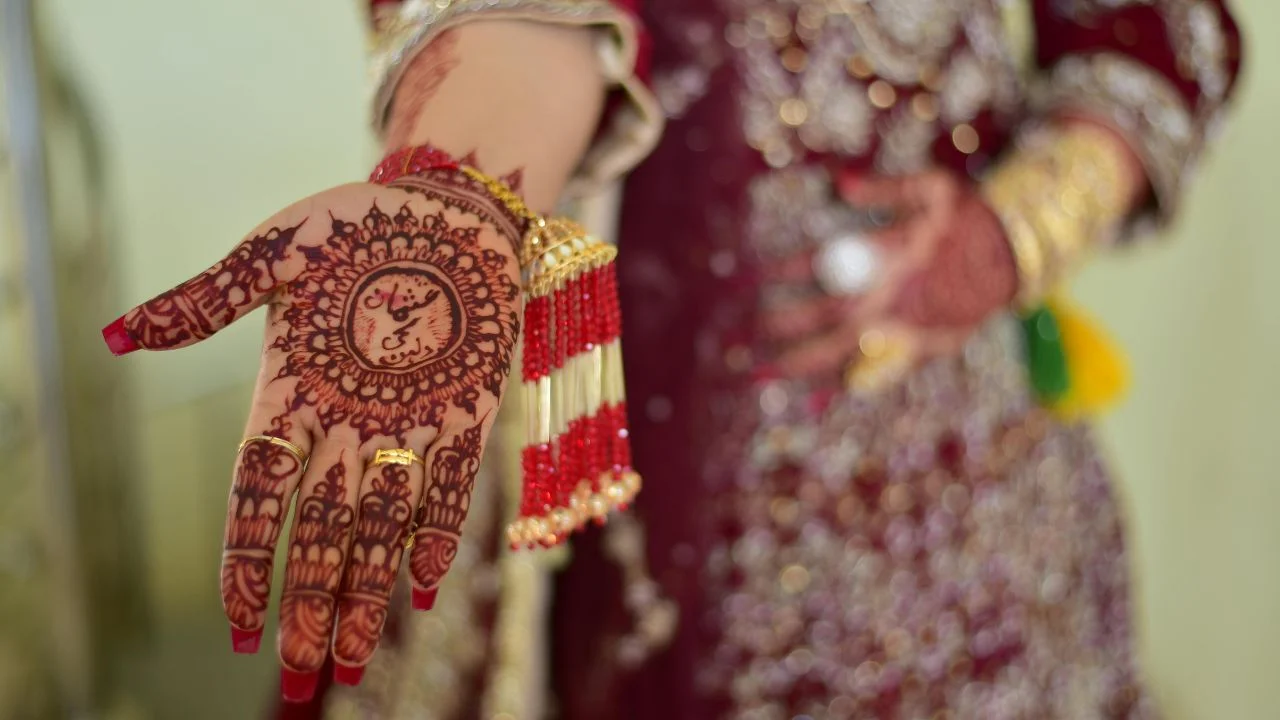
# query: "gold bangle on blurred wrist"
1058,195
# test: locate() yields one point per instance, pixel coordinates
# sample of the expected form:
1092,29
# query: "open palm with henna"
392,313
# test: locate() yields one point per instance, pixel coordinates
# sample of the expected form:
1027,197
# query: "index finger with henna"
269,465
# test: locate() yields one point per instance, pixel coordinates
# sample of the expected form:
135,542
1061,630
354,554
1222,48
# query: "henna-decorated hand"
392,314
947,266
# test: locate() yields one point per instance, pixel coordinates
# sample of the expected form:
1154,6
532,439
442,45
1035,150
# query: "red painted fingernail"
347,675
245,642
424,599
297,687
118,339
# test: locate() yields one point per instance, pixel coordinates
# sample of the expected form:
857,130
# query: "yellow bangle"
556,243
1059,195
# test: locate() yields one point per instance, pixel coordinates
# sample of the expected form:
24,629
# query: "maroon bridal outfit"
945,549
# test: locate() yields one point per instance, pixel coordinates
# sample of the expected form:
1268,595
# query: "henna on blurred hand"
373,563
255,515
316,559
970,275
424,76
444,507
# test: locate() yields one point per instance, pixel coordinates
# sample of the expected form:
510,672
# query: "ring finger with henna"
390,493
318,548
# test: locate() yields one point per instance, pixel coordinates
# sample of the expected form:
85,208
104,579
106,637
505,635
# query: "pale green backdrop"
217,114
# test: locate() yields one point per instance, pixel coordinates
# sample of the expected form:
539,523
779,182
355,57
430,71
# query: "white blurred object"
847,264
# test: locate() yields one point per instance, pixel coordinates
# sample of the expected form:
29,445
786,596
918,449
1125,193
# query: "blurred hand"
946,266
392,314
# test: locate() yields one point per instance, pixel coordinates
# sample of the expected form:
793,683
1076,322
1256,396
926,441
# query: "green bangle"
1045,355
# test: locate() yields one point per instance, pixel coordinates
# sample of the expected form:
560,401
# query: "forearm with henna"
475,92
422,79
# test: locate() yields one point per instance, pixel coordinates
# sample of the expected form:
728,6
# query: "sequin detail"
944,548
1141,104
864,64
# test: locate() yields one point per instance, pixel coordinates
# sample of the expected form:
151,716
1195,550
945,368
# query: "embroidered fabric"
1139,103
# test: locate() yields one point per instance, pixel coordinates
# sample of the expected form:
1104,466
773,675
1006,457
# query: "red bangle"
412,161
464,179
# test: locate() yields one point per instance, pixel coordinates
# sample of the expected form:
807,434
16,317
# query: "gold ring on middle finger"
396,456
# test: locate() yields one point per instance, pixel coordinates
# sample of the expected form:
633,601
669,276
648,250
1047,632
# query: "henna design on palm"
463,194
385,325
393,318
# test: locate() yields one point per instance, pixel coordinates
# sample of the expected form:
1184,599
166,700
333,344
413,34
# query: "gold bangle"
544,237
1028,255
884,359
1058,196
533,243
502,193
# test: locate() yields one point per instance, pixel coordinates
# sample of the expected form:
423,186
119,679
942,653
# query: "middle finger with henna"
321,535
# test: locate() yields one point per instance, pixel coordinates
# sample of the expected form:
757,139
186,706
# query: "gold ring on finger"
397,456
883,360
293,450
872,344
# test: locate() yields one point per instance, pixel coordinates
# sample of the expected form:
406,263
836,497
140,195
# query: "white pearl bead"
847,265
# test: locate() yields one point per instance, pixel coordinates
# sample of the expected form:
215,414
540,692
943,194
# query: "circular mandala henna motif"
402,316
395,316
